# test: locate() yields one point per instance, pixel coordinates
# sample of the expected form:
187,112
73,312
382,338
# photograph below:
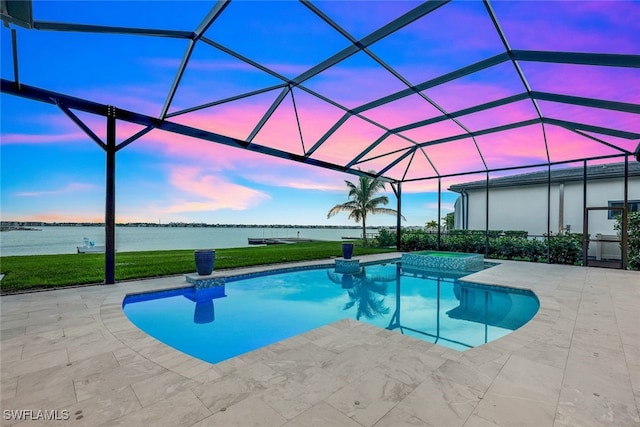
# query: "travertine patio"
577,363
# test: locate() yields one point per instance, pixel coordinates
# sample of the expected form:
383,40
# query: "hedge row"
563,249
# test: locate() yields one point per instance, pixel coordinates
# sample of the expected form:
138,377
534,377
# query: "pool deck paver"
576,363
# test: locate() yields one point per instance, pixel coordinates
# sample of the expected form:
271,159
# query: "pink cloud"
348,141
255,167
506,114
390,144
490,84
74,187
202,191
513,147
184,149
431,185
398,170
425,186
454,157
563,145
281,131
380,163
593,116
625,144
235,119
420,167
434,131
316,116
16,138
218,158
409,109
310,181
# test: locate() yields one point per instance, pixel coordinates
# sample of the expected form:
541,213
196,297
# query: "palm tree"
363,200
431,225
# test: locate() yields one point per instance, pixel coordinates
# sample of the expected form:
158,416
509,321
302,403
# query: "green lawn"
46,271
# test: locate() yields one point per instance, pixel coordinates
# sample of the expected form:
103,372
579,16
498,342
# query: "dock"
277,240
359,236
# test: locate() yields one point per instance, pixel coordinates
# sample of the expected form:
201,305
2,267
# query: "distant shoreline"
29,225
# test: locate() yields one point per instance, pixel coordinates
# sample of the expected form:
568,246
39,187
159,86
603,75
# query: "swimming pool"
218,323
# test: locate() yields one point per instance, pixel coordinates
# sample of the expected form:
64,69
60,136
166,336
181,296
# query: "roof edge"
595,172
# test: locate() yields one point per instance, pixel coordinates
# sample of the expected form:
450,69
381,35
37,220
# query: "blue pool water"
248,313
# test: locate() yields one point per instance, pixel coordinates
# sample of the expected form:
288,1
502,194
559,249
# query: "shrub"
506,247
494,233
386,238
517,233
563,249
633,239
536,250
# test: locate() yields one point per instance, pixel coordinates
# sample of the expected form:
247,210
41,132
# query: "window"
634,206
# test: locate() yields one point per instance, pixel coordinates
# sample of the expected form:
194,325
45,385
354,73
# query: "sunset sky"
52,171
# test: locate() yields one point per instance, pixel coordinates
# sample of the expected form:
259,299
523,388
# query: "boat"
89,246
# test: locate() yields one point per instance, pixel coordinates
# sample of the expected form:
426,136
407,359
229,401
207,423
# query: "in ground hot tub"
458,261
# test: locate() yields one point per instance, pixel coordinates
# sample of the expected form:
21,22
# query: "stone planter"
347,250
205,259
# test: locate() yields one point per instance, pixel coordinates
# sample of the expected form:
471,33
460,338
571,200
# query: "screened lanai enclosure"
437,94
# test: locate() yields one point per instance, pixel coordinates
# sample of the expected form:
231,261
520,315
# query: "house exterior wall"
525,207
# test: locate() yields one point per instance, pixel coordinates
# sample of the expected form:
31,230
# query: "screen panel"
567,145
590,26
404,111
212,75
348,141
455,157
487,85
505,114
513,147
236,119
355,81
256,30
453,36
587,81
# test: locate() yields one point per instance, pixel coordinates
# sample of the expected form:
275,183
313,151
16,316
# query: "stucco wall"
525,207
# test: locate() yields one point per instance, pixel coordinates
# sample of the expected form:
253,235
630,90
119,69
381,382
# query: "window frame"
634,206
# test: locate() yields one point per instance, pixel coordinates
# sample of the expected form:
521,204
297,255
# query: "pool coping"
221,279
577,362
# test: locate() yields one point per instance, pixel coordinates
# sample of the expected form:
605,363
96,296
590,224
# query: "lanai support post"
624,232
585,226
548,213
486,218
397,189
439,212
110,203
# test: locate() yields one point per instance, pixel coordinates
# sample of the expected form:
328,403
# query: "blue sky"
51,171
